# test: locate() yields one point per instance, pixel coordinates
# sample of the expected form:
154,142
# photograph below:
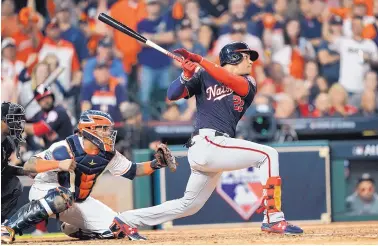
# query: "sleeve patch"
52,116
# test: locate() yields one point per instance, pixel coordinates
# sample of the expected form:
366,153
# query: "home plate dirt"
335,233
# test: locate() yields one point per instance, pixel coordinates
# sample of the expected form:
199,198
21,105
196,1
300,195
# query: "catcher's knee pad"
75,232
57,200
272,195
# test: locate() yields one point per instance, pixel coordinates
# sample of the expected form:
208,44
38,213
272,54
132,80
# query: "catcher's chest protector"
88,168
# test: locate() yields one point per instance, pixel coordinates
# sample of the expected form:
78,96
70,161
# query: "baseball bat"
48,81
130,32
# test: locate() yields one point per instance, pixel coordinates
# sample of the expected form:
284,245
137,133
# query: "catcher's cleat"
7,234
282,227
121,229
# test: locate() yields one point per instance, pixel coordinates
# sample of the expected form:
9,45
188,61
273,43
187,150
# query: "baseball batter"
223,93
67,174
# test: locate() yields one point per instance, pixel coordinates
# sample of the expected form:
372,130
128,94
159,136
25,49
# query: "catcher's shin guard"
121,230
272,196
56,201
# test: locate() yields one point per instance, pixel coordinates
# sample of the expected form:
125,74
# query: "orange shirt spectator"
28,39
8,16
130,13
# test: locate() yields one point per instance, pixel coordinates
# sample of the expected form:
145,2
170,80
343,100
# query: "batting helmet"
97,127
232,53
43,91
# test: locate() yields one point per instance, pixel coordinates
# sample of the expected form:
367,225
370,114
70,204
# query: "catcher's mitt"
164,158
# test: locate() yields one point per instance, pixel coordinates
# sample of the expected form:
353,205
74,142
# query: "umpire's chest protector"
88,167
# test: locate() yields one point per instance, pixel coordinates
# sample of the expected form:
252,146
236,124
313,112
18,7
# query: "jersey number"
238,103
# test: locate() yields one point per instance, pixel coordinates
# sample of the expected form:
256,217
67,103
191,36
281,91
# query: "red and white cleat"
121,230
282,227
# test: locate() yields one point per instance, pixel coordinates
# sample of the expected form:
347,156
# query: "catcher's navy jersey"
218,107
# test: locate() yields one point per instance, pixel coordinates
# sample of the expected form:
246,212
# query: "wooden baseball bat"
49,81
130,32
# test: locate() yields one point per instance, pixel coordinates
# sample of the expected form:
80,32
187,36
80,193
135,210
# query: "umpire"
12,127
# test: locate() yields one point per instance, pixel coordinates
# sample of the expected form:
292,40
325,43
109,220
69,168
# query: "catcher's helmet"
14,116
43,91
232,53
97,127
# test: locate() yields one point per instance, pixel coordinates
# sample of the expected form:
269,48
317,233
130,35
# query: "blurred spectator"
320,86
257,9
70,32
200,24
311,26
329,59
238,33
182,110
105,94
65,51
52,123
130,13
29,38
295,52
137,134
38,75
356,55
155,66
276,73
237,10
300,94
311,72
104,54
217,10
370,84
10,68
9,16
359,9
339,101
322,105
364,201
74,90
285,107
186,40
368,104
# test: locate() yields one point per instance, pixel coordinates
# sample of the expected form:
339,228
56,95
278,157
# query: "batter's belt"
208,132
204,132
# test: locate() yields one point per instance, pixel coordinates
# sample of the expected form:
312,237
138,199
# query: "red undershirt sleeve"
237,83
41,128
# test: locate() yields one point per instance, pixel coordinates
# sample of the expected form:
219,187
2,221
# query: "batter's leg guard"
75,232
121,230
272,204
56,201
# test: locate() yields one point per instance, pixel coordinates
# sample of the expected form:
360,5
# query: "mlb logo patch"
242,190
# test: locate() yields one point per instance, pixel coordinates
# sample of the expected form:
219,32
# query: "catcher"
67,173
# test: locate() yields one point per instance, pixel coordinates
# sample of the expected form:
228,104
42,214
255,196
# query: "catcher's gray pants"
11,189
209,157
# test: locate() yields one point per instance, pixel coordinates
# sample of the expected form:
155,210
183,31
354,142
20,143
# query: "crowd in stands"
317,57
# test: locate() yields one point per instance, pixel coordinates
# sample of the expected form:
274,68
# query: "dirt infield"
335,233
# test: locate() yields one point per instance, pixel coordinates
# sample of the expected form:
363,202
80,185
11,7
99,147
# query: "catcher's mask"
97,127
14,116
